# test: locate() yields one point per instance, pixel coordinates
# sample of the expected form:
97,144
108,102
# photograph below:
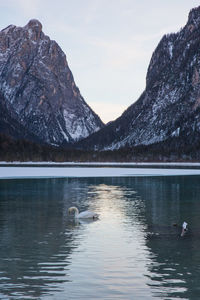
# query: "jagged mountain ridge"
170,105
37,88
12,128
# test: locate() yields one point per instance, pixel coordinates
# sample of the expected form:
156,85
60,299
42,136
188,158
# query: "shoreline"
179,165
21,172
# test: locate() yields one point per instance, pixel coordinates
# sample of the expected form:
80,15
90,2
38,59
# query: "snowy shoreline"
21,172
101,164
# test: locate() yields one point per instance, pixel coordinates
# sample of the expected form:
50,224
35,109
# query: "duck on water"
175,230
184,228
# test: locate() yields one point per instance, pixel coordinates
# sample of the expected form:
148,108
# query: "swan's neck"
76,212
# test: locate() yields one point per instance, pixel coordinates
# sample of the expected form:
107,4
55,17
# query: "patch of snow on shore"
69,172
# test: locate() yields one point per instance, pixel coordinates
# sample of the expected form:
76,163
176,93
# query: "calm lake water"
131,252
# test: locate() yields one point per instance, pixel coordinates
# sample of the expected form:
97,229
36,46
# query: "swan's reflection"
44,251
36,238
76,222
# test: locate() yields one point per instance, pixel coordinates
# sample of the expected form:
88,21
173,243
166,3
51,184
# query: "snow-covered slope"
37,88
170,105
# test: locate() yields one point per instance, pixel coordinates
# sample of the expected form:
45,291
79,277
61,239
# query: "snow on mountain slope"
37,87
170,104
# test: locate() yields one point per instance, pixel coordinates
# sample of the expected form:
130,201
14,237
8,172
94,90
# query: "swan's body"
87,214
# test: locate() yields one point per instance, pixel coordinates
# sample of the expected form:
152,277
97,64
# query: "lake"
132,252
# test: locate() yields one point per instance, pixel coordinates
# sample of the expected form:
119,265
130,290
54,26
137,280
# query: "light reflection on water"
131,252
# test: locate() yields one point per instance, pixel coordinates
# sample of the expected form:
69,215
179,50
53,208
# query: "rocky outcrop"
38,90
170,105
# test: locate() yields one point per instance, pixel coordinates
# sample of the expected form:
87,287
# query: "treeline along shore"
168,151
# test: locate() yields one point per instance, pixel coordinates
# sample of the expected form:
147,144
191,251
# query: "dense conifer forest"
174,149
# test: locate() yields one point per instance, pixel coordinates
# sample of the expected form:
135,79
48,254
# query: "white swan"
84,214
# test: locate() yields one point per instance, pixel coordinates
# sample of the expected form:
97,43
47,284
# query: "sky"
108,43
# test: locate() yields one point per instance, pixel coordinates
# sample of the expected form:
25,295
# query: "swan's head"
73,209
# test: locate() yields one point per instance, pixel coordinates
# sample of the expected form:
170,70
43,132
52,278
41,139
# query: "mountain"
38,96
170,105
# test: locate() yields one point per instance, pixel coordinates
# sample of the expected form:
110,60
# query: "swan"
87,214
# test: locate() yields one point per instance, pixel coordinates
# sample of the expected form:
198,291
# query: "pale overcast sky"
108,43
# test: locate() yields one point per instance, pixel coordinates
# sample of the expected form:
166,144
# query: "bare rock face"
37,88
170,105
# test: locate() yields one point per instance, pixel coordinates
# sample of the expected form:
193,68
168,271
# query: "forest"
172,150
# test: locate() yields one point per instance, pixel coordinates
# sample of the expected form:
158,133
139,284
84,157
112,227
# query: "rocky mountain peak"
194,17
37,87
169,107
35,28
34,24
174,48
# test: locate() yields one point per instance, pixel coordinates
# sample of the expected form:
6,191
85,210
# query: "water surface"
131,252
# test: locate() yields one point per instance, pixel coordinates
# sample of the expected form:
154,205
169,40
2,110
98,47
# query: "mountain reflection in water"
133,251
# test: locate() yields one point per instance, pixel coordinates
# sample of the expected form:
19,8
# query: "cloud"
121,54
92,11
28,7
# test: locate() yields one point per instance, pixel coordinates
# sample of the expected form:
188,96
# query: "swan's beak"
69,211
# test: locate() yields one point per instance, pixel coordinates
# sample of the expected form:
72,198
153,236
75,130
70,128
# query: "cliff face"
37,89
170,105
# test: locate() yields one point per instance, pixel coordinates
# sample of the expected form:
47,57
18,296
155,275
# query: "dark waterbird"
170,232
